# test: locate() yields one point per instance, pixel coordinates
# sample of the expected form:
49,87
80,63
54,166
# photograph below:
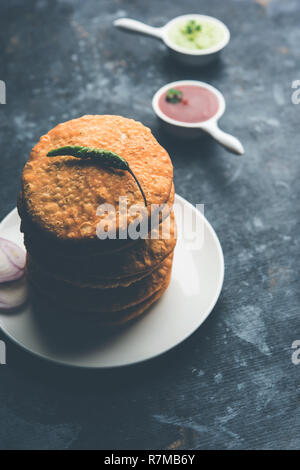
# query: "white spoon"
193,130
186,56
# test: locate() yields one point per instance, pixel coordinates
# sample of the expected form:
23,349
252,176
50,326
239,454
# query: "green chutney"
195,35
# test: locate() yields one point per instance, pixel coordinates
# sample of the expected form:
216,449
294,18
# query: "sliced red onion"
16,254
13,294
12,261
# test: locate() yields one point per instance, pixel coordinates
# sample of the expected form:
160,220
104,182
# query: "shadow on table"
104,381
174,71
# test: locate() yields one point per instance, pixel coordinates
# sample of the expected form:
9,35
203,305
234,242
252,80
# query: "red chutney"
198,104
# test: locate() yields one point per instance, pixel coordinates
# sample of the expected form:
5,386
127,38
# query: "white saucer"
196,284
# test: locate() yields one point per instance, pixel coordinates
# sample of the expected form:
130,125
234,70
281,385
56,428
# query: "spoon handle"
232,144
138,27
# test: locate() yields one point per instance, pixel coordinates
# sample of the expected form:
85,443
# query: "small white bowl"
187,57
192,130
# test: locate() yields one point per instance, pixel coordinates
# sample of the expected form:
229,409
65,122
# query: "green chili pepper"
104,157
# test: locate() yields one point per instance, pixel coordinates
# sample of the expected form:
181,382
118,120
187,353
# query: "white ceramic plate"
196,284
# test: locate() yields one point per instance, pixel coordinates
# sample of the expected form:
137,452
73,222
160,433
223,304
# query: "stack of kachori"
114,276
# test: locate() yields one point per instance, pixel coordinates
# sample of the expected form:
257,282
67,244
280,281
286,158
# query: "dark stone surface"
232,384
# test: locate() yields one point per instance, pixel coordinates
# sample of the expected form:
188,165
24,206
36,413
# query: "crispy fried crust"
112,319
42,246
99,300
121,268
61,194
126,316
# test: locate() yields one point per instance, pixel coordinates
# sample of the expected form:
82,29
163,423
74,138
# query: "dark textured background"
232,384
